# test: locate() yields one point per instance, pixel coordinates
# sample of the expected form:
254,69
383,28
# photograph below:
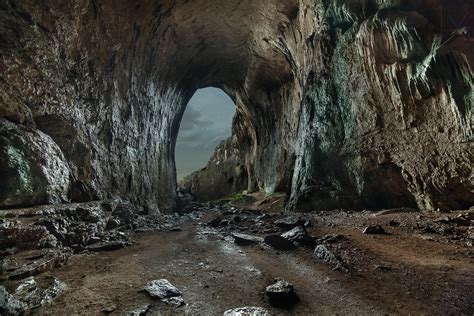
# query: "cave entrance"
205,125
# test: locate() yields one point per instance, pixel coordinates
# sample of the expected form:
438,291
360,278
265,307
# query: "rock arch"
331,96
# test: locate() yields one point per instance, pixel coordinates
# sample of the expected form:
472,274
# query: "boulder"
281,294
165,291
32,167
300,236
325,255
34,296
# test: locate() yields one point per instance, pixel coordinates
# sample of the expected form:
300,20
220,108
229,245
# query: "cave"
349,157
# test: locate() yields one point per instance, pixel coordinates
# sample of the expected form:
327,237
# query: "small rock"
245,240
374,230
108,309
165,291
279,243
247,311
175,229
299,235
139,311
33,296
325,255
281,294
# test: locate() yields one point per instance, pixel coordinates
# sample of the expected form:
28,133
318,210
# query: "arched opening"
202,143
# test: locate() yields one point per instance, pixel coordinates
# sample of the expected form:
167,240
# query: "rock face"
339,103
223,175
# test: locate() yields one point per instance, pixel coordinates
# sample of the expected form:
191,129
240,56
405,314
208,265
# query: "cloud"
206,122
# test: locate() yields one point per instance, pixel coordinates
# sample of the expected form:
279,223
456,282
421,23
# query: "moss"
235,199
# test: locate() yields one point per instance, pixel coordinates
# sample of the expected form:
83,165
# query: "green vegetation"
235,199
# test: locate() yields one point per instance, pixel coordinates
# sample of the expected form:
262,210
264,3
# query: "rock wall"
223,175
339,103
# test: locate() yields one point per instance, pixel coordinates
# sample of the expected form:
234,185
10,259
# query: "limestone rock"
9,305
245,240
348,103
281,294
165,291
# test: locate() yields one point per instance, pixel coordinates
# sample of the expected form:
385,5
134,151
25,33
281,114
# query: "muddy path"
396,273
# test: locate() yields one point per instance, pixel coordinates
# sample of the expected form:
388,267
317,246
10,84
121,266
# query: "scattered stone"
325,255
33,296
279,243
245,240
165,291
247,311
281,294
9,305
289,222
374,230
139,311
300,236
109,309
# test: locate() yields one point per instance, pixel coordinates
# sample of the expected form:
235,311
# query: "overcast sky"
206,122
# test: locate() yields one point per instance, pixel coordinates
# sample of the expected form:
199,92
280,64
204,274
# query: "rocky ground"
110,257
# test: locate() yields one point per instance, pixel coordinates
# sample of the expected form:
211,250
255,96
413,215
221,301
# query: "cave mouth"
206,124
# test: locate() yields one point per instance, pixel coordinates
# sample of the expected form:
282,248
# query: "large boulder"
32,167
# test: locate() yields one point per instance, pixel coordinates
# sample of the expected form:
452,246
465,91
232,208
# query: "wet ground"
421,265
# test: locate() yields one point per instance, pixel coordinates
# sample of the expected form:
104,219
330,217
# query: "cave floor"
405,271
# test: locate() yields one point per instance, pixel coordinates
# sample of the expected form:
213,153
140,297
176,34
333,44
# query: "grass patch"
237,199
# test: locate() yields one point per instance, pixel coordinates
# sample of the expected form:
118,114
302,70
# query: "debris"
245,240
279,243
300,236
247,311
374,230
281,294
325,255
139,311
33,296
165,291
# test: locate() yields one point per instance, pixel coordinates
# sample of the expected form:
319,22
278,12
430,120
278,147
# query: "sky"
206,122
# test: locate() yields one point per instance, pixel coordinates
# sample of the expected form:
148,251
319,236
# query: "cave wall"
387,119
339,103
